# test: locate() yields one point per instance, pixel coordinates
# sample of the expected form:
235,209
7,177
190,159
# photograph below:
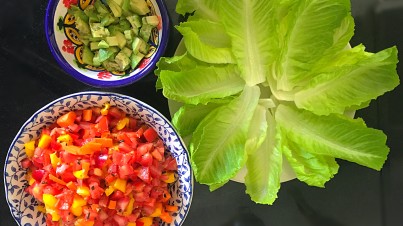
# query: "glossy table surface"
357,196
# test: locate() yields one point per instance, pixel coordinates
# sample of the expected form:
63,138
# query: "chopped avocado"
95,60
134,20
124,24
103,45
118,2
139,45
82,26
114,28
140,7
110,65
112,41
108,19
87,55
128,52
115,8
145,31
129,35
135,59
126,9
101,8
104,54
151,20
123,61
94,46
97,30
77,12
92,14
121,39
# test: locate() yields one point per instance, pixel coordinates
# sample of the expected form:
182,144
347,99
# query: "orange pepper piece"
67,119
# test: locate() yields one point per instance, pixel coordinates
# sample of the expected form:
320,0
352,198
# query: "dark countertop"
357,196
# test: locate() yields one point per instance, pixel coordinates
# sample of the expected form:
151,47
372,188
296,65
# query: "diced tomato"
150,134
103,169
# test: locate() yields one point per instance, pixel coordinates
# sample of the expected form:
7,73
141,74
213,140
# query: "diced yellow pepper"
54,160
158,210
122,123
30,148
129,208
147,221
54,214
77,206
65,138
49,201
131,224
44,141
109,191
171,177
105,109
81,174
83,191
120,184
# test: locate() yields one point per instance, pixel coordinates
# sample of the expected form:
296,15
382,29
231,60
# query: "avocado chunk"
110,65
103,45
140,7
87,55
100,7
134,20
121,39
123,61
128,52
139,45
98,31
151,20
115,8
135,59
145,31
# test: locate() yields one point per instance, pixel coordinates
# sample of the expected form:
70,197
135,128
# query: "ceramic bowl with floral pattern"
65,45
24,207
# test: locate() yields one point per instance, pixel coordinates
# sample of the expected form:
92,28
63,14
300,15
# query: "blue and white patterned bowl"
63,40
23,206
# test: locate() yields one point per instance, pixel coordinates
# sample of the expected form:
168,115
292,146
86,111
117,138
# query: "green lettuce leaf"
264,166
246,22
207,41
188,117
216,149
313,169
203,9
305,33
350,85
334,136
257,129
201,84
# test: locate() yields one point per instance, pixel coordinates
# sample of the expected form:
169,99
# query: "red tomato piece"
150,134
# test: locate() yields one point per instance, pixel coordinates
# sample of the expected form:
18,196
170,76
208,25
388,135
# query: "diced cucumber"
77,12
112,41
140,7
129,34
87,56
126,9
92,14
103,45
151,20
108,19
145,31
83,27
135,59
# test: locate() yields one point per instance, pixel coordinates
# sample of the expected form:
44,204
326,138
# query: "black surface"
357,196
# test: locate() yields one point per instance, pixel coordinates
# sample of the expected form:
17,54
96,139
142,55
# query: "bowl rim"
51,41
102,93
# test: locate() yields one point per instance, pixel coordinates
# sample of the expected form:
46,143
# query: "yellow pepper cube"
120,184
49,201
122,123
54,160
44,141
171,177
65,138
83,191
30,148
147,221
109,191
81,174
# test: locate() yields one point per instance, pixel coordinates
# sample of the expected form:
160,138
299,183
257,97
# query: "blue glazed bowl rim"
50,38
